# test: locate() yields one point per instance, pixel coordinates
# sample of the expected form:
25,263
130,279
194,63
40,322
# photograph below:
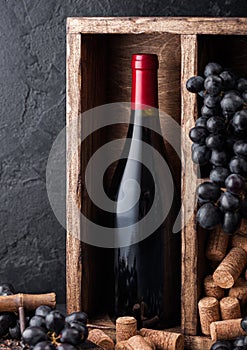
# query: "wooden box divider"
183,45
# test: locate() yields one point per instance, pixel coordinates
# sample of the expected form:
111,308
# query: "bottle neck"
144,89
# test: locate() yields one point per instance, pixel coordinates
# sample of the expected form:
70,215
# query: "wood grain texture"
73,156
139,25
189,179
197,342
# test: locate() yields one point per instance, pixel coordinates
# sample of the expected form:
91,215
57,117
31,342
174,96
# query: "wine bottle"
147,271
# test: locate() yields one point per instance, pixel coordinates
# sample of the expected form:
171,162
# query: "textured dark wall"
32,108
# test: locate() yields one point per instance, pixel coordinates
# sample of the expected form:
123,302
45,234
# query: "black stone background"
32,112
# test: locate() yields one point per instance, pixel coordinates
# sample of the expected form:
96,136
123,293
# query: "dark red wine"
147,265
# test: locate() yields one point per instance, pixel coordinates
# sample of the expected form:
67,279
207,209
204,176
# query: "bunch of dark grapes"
50,329
47,329
220,145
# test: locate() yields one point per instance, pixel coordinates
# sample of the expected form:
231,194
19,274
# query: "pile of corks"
129,338
225,291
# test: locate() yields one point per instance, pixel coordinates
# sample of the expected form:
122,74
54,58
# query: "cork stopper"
226,330
126,327
139,343
243,227
123,345
98,337
239,241
239,290
211,289
217,245
230,268
230,308
164,340
209,312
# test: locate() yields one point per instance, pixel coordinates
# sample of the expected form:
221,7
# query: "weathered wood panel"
139,25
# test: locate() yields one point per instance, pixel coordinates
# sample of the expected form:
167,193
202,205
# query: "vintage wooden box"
95,46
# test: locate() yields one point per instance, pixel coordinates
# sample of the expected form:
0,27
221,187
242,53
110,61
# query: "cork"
239,241
226,330
123,345
211,289
164,340
239,290
230,308
126,327
98,337
217,245
139,343
209,311
230,268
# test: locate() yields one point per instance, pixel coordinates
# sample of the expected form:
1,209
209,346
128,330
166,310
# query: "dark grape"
239,341
242,84
77,316
216,124
65,346
218,175
202,121
228,80
244,324
6,289
208,191
15,332
208,216
34,335
231,103
213,85
215,141
201,155
198,135
195,84
202,201
44,345
212,101
212,68
220,345
238,165
244,95
80,327
71,335
239,122
231,222
235,184
55,321
43,310
240,148
229,202
37,321
219,158
208,112
7,320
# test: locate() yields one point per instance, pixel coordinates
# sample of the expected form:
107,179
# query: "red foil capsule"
144,81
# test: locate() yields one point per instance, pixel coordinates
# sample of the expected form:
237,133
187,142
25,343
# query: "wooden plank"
189,180
73,156
175,25
197,342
